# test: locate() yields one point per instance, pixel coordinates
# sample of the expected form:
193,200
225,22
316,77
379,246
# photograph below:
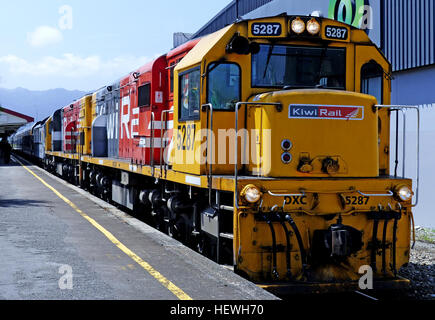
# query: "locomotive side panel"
112,105
56,131
85,125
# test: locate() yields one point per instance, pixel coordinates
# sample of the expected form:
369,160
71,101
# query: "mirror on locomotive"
189,104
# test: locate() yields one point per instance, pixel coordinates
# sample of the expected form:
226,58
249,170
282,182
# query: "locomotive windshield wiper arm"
269,55
322,59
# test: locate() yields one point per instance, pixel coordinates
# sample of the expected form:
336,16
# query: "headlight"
313,27
404,193
298,26
251,193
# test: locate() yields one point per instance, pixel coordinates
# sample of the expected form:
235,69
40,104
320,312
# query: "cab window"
144,95
372,80
223,86
289,67
189,103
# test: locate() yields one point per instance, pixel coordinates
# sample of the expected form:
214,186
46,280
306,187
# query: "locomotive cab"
312,76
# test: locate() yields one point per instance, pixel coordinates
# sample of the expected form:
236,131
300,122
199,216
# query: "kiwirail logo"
326,112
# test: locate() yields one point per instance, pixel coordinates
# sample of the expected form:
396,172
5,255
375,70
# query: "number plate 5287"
357,200
261,29
338,33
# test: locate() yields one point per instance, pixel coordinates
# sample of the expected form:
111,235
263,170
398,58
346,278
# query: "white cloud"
68,70
43,36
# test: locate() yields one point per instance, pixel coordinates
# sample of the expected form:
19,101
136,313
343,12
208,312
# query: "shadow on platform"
18,203
10,164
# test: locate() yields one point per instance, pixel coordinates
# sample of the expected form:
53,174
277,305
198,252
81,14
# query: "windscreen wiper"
322,59
269,55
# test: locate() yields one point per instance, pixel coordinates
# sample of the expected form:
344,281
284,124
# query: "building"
11,120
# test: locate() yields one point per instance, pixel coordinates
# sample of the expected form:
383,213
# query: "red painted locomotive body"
143,99
145,117
70,127
146,98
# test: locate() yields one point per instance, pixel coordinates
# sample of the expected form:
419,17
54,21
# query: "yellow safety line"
180,294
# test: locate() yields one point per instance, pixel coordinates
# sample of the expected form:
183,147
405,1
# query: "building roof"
11,120
16,114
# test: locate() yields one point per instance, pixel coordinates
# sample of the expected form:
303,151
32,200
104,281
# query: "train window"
372,80
224,83
144,95
189,103
278,66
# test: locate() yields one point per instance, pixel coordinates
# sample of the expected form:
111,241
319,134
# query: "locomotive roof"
207,43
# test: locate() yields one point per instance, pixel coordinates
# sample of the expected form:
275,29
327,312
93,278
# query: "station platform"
60,243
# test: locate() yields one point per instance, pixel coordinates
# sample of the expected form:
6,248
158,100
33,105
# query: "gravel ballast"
421,268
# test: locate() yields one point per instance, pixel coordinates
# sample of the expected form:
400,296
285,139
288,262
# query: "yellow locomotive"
279,157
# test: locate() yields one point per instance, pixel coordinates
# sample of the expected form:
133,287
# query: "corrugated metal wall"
229,15
409,33
408,29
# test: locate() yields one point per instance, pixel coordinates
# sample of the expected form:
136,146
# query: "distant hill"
37,104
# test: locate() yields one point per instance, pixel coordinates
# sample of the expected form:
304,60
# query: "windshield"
279,66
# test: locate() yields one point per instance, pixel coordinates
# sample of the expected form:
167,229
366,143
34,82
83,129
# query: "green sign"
351,12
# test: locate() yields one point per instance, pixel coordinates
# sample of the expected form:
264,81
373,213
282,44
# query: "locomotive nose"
319,133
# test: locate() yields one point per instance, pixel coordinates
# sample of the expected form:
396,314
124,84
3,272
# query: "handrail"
165,119
236,146
389,194
302,194
209,107
418,144
152,143
397,141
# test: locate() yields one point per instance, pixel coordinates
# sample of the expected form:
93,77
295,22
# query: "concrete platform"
110,254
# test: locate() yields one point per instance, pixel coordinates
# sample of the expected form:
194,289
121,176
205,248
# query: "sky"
83,45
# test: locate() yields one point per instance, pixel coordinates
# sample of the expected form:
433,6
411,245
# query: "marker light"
286,158
298,26
404,193
251,193
286,145
313,27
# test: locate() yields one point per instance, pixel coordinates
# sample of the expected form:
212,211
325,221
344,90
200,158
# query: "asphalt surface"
42,237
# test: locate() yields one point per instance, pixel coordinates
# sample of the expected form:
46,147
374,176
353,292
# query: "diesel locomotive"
264,146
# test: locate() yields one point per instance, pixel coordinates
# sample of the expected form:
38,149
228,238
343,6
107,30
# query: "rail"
209,108
398,108
302,194
163,126
152,143
389,194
